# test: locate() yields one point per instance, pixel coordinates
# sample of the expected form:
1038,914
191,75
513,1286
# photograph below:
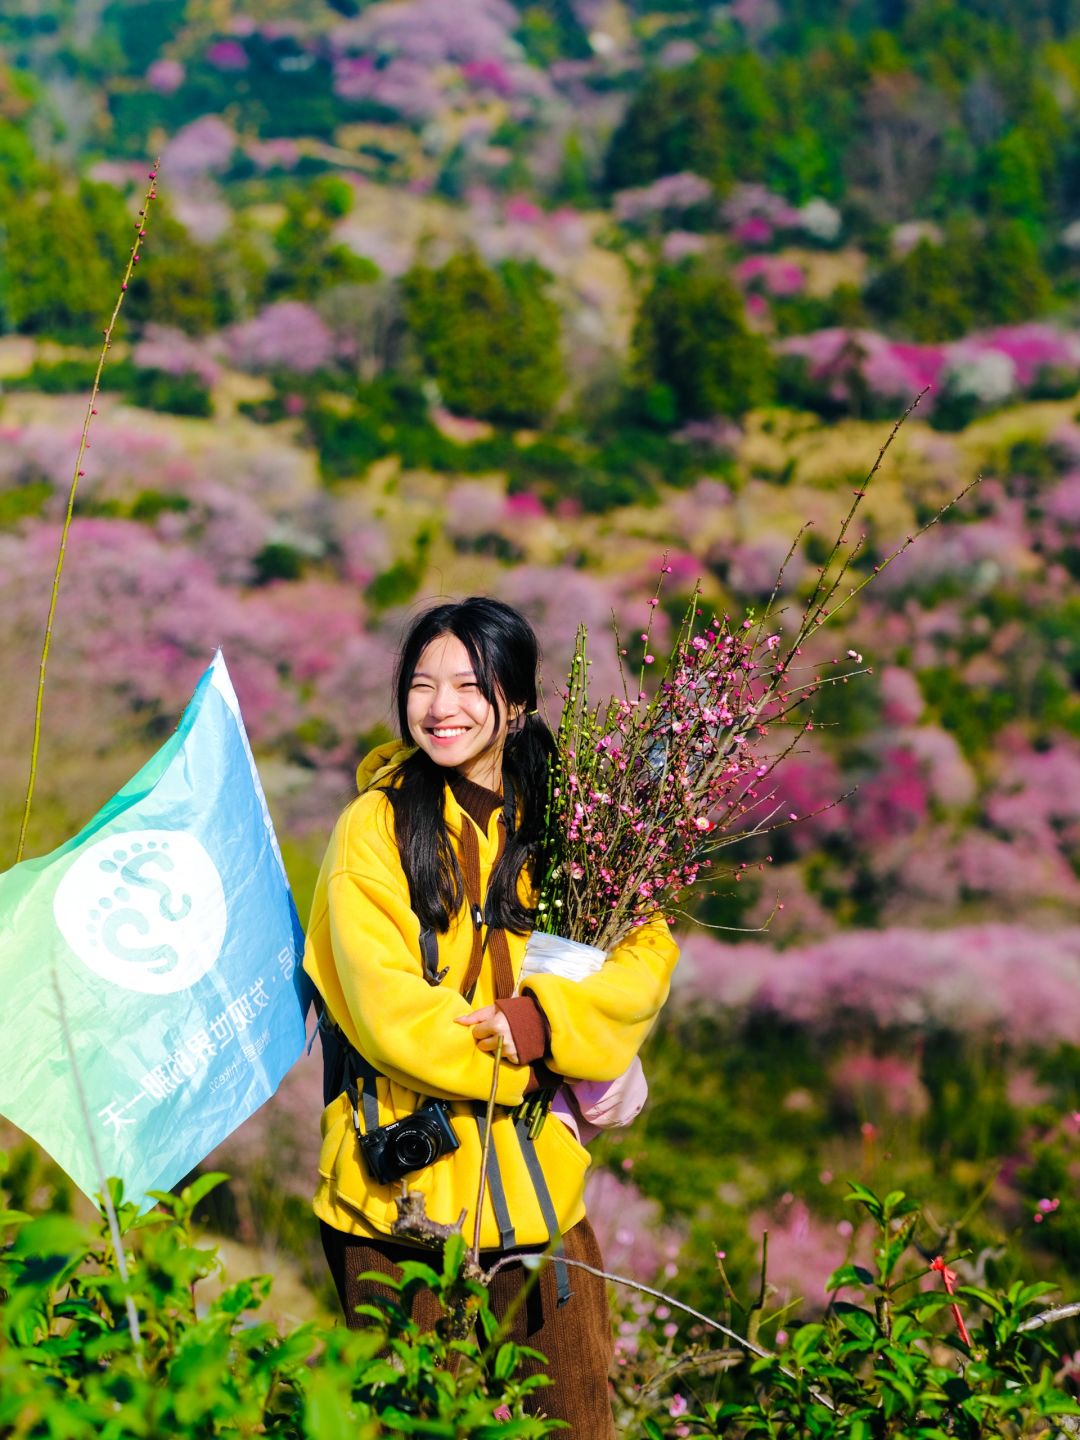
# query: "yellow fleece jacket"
363,954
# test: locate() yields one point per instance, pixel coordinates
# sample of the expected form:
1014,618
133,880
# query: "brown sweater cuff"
528,1026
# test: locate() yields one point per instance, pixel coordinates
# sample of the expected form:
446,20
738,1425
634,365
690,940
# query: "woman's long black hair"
505,655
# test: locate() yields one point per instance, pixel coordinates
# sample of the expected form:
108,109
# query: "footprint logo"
145,910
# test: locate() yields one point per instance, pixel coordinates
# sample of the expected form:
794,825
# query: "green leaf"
984,1297
51,1235
856,1320
652,1429
927,1302
506,1360
201,1187
849,1275
453,1256
862,1196
416,1272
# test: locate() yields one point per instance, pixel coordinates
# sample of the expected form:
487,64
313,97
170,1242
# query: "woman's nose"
443,702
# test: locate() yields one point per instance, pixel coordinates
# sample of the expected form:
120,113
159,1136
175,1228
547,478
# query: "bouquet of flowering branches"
647,787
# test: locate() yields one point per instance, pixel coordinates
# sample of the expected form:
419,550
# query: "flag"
153,996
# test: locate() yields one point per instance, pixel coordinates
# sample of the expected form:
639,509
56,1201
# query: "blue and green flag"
150,967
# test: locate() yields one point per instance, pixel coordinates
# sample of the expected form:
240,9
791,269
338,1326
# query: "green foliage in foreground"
71,1370
887,1360
890,1360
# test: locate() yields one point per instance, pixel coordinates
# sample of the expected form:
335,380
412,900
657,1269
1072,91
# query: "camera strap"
495,1188
547,1209
365,1094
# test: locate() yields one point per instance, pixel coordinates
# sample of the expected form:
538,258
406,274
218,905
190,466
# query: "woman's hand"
489,1026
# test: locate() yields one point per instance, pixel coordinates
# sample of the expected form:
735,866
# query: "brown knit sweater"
528,1024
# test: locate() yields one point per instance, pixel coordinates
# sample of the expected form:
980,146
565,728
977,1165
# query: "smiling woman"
452,720
416,943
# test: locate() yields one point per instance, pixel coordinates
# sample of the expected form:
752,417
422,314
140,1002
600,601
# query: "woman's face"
450,719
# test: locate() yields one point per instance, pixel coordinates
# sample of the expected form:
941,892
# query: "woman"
417,935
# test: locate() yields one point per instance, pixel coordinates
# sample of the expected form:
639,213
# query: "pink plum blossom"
161,348
774,275
402,85
879,1085
670,195
287,336
227,55
803,1252
165,76
432,32
633,1238
201,147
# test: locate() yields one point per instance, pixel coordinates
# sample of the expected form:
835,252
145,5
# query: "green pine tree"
489,336
692,353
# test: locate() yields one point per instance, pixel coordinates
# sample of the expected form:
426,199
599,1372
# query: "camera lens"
417,1145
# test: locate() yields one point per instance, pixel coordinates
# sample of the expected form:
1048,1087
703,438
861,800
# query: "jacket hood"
378,764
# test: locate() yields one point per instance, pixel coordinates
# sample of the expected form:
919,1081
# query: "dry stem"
91,411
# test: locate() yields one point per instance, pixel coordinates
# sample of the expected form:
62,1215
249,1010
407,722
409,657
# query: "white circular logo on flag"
144,910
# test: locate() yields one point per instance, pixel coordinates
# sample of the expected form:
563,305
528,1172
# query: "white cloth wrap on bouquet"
586,1106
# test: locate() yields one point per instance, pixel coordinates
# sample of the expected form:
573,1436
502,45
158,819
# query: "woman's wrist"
528,1025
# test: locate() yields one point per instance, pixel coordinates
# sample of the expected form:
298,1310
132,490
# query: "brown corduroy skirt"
576,1337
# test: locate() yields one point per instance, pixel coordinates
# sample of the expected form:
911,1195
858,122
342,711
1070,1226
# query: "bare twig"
733,1335
705,1362
91,411
1047,1317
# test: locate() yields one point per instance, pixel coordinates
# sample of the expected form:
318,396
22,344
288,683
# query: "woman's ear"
515,720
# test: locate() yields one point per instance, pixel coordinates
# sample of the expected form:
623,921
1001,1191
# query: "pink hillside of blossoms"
991,368
1019,984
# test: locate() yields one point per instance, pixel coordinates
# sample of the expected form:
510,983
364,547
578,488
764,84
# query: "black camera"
398,1149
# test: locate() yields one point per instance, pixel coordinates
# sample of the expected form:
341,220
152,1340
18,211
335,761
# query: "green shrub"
71,1366
882,1364
278,561
183,394
974,714
149,504
310,260
179,394
22,502
976,275
691,337
489,336
59,254
178,282
71,375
